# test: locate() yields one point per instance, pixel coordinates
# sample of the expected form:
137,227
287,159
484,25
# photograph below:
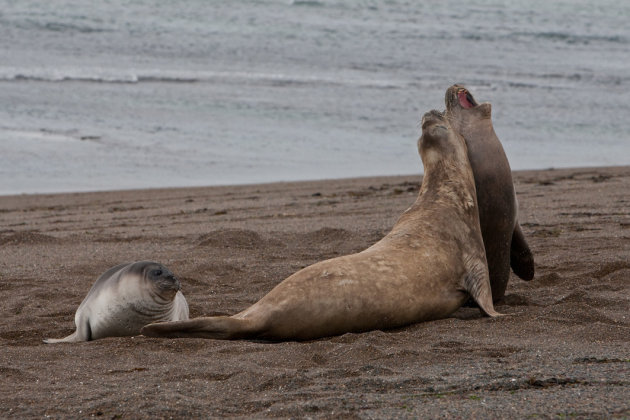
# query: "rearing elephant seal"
424,269
503,238
126,298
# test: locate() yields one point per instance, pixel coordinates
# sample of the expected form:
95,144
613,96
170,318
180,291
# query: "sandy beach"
563,351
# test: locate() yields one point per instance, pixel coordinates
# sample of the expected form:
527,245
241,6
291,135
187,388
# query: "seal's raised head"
462,107
432,119
439,143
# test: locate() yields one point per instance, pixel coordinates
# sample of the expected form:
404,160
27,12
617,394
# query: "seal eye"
156,273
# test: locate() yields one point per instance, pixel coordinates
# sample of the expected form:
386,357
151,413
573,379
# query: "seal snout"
164,278
459,95
173,281
465,98
432,117
177,283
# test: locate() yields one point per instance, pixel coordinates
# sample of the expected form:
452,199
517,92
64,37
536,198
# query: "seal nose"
431,116
176,283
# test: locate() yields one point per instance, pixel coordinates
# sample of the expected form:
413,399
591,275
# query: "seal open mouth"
466,100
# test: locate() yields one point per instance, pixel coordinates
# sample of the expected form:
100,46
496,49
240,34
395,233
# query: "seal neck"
449,183
469,120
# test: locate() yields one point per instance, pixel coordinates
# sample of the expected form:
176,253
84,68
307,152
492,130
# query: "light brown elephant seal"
503,238
124,299
424,269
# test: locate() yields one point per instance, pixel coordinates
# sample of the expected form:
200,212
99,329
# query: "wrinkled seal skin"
503,238
124,299
424,269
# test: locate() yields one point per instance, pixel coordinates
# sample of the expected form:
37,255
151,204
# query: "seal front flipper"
477,284
521,258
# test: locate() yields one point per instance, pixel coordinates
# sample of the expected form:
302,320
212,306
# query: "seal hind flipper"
218,327
72,338
521,257
80,334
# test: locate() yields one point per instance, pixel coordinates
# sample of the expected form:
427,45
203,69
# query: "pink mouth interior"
463,100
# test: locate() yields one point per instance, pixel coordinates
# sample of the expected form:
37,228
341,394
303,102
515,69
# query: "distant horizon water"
150,94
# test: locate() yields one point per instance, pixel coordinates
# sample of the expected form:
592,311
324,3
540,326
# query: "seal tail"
521,258
217,327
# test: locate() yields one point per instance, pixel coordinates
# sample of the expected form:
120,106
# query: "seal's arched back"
424,269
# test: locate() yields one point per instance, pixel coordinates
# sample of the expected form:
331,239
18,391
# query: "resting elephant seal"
424,269
503,238
126,298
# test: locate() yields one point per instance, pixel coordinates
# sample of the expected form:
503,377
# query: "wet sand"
563,351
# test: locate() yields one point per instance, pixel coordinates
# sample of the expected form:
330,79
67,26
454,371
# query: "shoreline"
562,351
253,184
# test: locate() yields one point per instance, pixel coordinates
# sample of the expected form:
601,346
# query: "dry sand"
564,351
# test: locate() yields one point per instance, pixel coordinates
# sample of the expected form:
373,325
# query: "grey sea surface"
147,93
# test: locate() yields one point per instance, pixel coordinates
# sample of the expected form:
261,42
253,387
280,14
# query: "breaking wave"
123,76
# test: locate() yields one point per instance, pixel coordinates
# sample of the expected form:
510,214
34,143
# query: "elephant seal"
124,299
424,269
503,238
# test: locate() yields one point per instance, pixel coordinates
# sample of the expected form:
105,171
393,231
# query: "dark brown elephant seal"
124,299
503,238
424,269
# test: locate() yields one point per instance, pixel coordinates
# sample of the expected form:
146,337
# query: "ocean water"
135,94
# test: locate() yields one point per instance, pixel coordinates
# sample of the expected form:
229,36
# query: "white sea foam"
117,75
